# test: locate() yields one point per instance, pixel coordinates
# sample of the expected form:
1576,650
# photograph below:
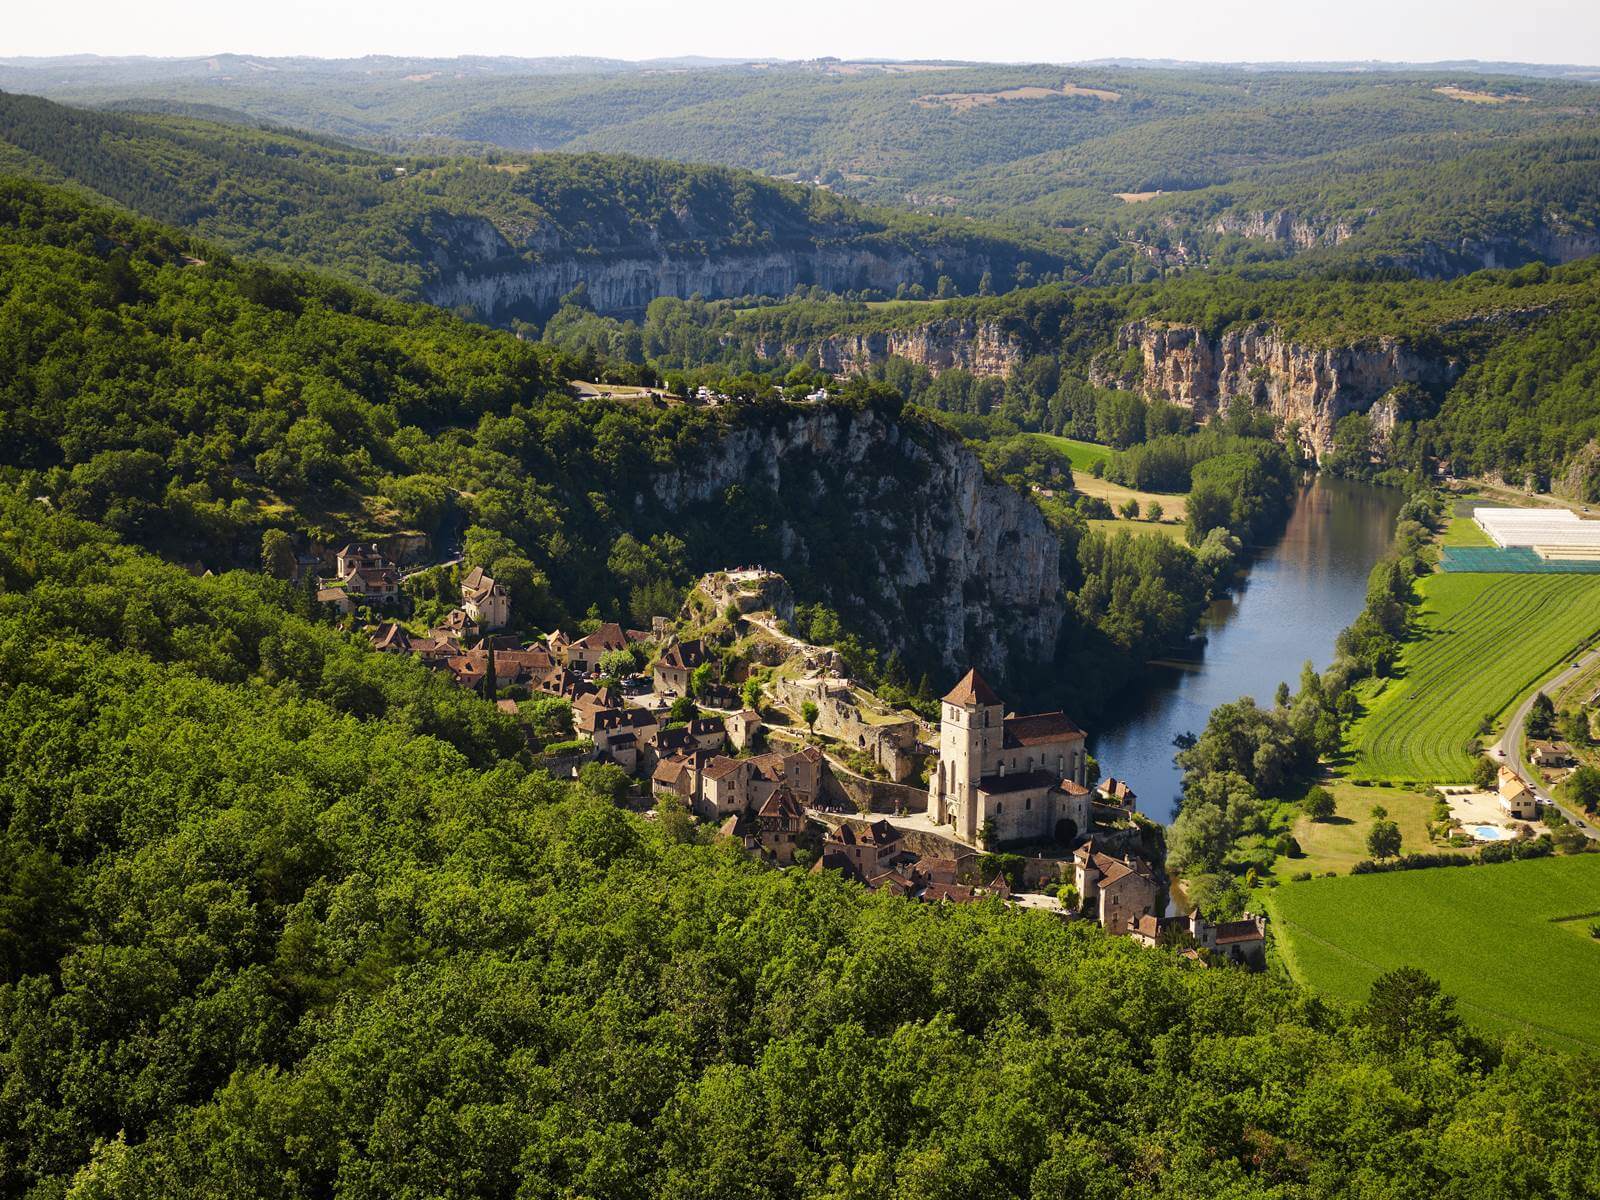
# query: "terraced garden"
1510,941
1481,641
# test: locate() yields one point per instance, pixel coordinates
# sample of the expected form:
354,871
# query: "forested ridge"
401,224
190,403
281,917
1437,171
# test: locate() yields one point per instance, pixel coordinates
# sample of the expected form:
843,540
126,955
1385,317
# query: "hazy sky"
1566,31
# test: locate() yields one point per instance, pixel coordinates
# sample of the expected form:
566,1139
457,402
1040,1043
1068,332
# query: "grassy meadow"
1083,454
1480,641
1509,940
1338,843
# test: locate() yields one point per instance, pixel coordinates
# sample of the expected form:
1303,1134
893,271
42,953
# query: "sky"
1536,31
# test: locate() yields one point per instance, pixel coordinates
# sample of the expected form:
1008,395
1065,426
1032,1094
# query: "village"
766,739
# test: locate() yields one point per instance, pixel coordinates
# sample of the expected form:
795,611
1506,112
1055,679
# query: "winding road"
1508,749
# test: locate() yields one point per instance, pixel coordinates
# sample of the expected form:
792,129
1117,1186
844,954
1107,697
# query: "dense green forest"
1438,171
404,224
281,917
1525,405
189,403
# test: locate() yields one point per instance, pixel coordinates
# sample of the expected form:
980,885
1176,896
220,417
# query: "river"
1299,593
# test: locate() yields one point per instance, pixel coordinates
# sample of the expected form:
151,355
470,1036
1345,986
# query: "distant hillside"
503,236
1304,158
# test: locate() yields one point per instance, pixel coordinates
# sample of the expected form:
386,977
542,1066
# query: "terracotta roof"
782,803
507,706
608,637
391,636
721,767
955,893
1040,729
669,770
704,725
748,714
1234,932
683,656
972,691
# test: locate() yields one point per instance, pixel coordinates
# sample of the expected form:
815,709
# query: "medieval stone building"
1019,777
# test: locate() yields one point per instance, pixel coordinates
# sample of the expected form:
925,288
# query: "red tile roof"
972,691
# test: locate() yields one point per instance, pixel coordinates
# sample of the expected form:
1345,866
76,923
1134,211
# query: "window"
997,809
1027,805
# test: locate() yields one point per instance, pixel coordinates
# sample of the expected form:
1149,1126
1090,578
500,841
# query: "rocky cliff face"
982,347
1311,386
476,264
1554,240
892,523
1283,226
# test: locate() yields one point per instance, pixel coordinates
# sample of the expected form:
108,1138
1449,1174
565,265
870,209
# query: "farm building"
1548,532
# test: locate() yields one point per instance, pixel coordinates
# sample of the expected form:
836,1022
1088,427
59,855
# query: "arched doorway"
1066,831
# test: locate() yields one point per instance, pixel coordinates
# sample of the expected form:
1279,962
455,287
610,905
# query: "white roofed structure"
1548,532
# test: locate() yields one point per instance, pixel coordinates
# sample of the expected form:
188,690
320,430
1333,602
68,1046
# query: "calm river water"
1300,592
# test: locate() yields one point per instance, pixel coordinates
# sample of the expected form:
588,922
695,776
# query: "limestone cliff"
1307,385
513,280
982,347
1283,226
891,522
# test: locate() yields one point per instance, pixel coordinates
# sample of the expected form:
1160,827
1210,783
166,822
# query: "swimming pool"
1490,833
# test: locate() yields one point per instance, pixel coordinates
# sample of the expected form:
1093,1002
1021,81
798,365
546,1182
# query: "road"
1508,749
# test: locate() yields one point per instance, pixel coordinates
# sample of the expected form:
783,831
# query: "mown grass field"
1464,531
1083,454
1480,642
1510,941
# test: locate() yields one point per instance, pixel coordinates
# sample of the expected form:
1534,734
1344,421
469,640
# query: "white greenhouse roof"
1545,529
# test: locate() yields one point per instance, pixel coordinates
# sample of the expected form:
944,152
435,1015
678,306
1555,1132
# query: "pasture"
1510,941
1083,454
1338,843
1480,641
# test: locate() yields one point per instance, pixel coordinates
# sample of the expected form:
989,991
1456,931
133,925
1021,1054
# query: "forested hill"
1248,162
500,235
283,917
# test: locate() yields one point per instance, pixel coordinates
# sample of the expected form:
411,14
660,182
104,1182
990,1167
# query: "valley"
721,627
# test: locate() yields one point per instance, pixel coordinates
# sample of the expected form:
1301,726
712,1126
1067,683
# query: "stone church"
1024,774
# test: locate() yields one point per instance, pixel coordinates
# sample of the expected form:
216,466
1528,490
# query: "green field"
1464,531
1339,843
1480,642
1509,941
1083,454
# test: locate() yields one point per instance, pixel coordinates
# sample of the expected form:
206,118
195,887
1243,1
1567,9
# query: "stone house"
584,655
391,638
357,556
863,854
1115,891
1552,755
612,725
780,825
485,601
1243,941
343,602
676,665
1516,798
1020,776
743,727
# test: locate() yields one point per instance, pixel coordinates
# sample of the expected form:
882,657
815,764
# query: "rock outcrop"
981,347
1310,386
475,264
891,522
1283,226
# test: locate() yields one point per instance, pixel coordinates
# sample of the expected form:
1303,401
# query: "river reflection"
1299,594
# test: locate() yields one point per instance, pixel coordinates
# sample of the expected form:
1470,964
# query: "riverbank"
1298,593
